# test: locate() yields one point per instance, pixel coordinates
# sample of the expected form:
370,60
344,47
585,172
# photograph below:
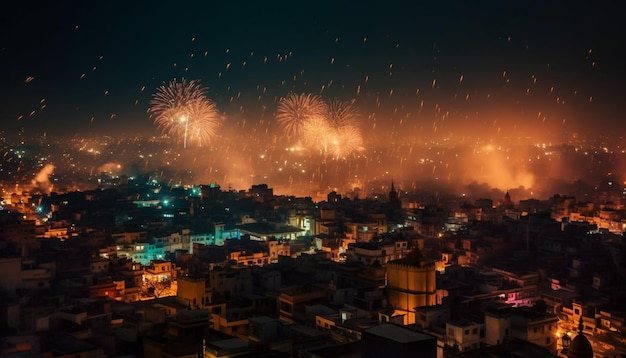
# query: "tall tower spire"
394,199
581,326
580,346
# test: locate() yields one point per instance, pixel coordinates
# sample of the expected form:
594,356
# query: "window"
466,332
284,306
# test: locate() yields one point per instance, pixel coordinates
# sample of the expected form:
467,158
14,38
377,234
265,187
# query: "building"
264,329
411,283
264,231
228,283
503,322
381,252
23,275
192,291
292,302
390,340
184,336
464,335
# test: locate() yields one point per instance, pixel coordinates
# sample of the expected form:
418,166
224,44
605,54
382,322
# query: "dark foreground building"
390,340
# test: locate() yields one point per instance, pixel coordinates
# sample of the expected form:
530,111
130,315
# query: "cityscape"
312,180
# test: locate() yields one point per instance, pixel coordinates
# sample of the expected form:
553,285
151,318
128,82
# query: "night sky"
449,69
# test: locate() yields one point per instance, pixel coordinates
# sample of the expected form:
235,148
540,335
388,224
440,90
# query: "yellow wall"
411,286
188,289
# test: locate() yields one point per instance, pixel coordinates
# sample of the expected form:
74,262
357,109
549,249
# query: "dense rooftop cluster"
143,268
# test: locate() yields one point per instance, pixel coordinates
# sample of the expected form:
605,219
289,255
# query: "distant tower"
580,346
507,203
394,198
333,197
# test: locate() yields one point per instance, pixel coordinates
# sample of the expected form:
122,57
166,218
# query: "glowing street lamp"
565,342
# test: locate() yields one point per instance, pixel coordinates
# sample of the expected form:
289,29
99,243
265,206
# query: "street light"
565,341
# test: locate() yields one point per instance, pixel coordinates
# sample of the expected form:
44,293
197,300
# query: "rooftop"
265,228
462,323
398,333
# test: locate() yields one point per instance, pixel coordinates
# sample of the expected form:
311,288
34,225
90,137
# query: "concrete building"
381,252
464,335
23,275
292,302
411,282
264,231
192,291
504,322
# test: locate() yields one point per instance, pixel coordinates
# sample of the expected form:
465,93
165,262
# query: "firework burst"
316,134
326,128
296,110
341,113
345,137
181,109
346,140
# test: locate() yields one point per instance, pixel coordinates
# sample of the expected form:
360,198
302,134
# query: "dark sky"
429,69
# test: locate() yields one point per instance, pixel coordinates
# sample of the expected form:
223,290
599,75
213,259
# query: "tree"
156,288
